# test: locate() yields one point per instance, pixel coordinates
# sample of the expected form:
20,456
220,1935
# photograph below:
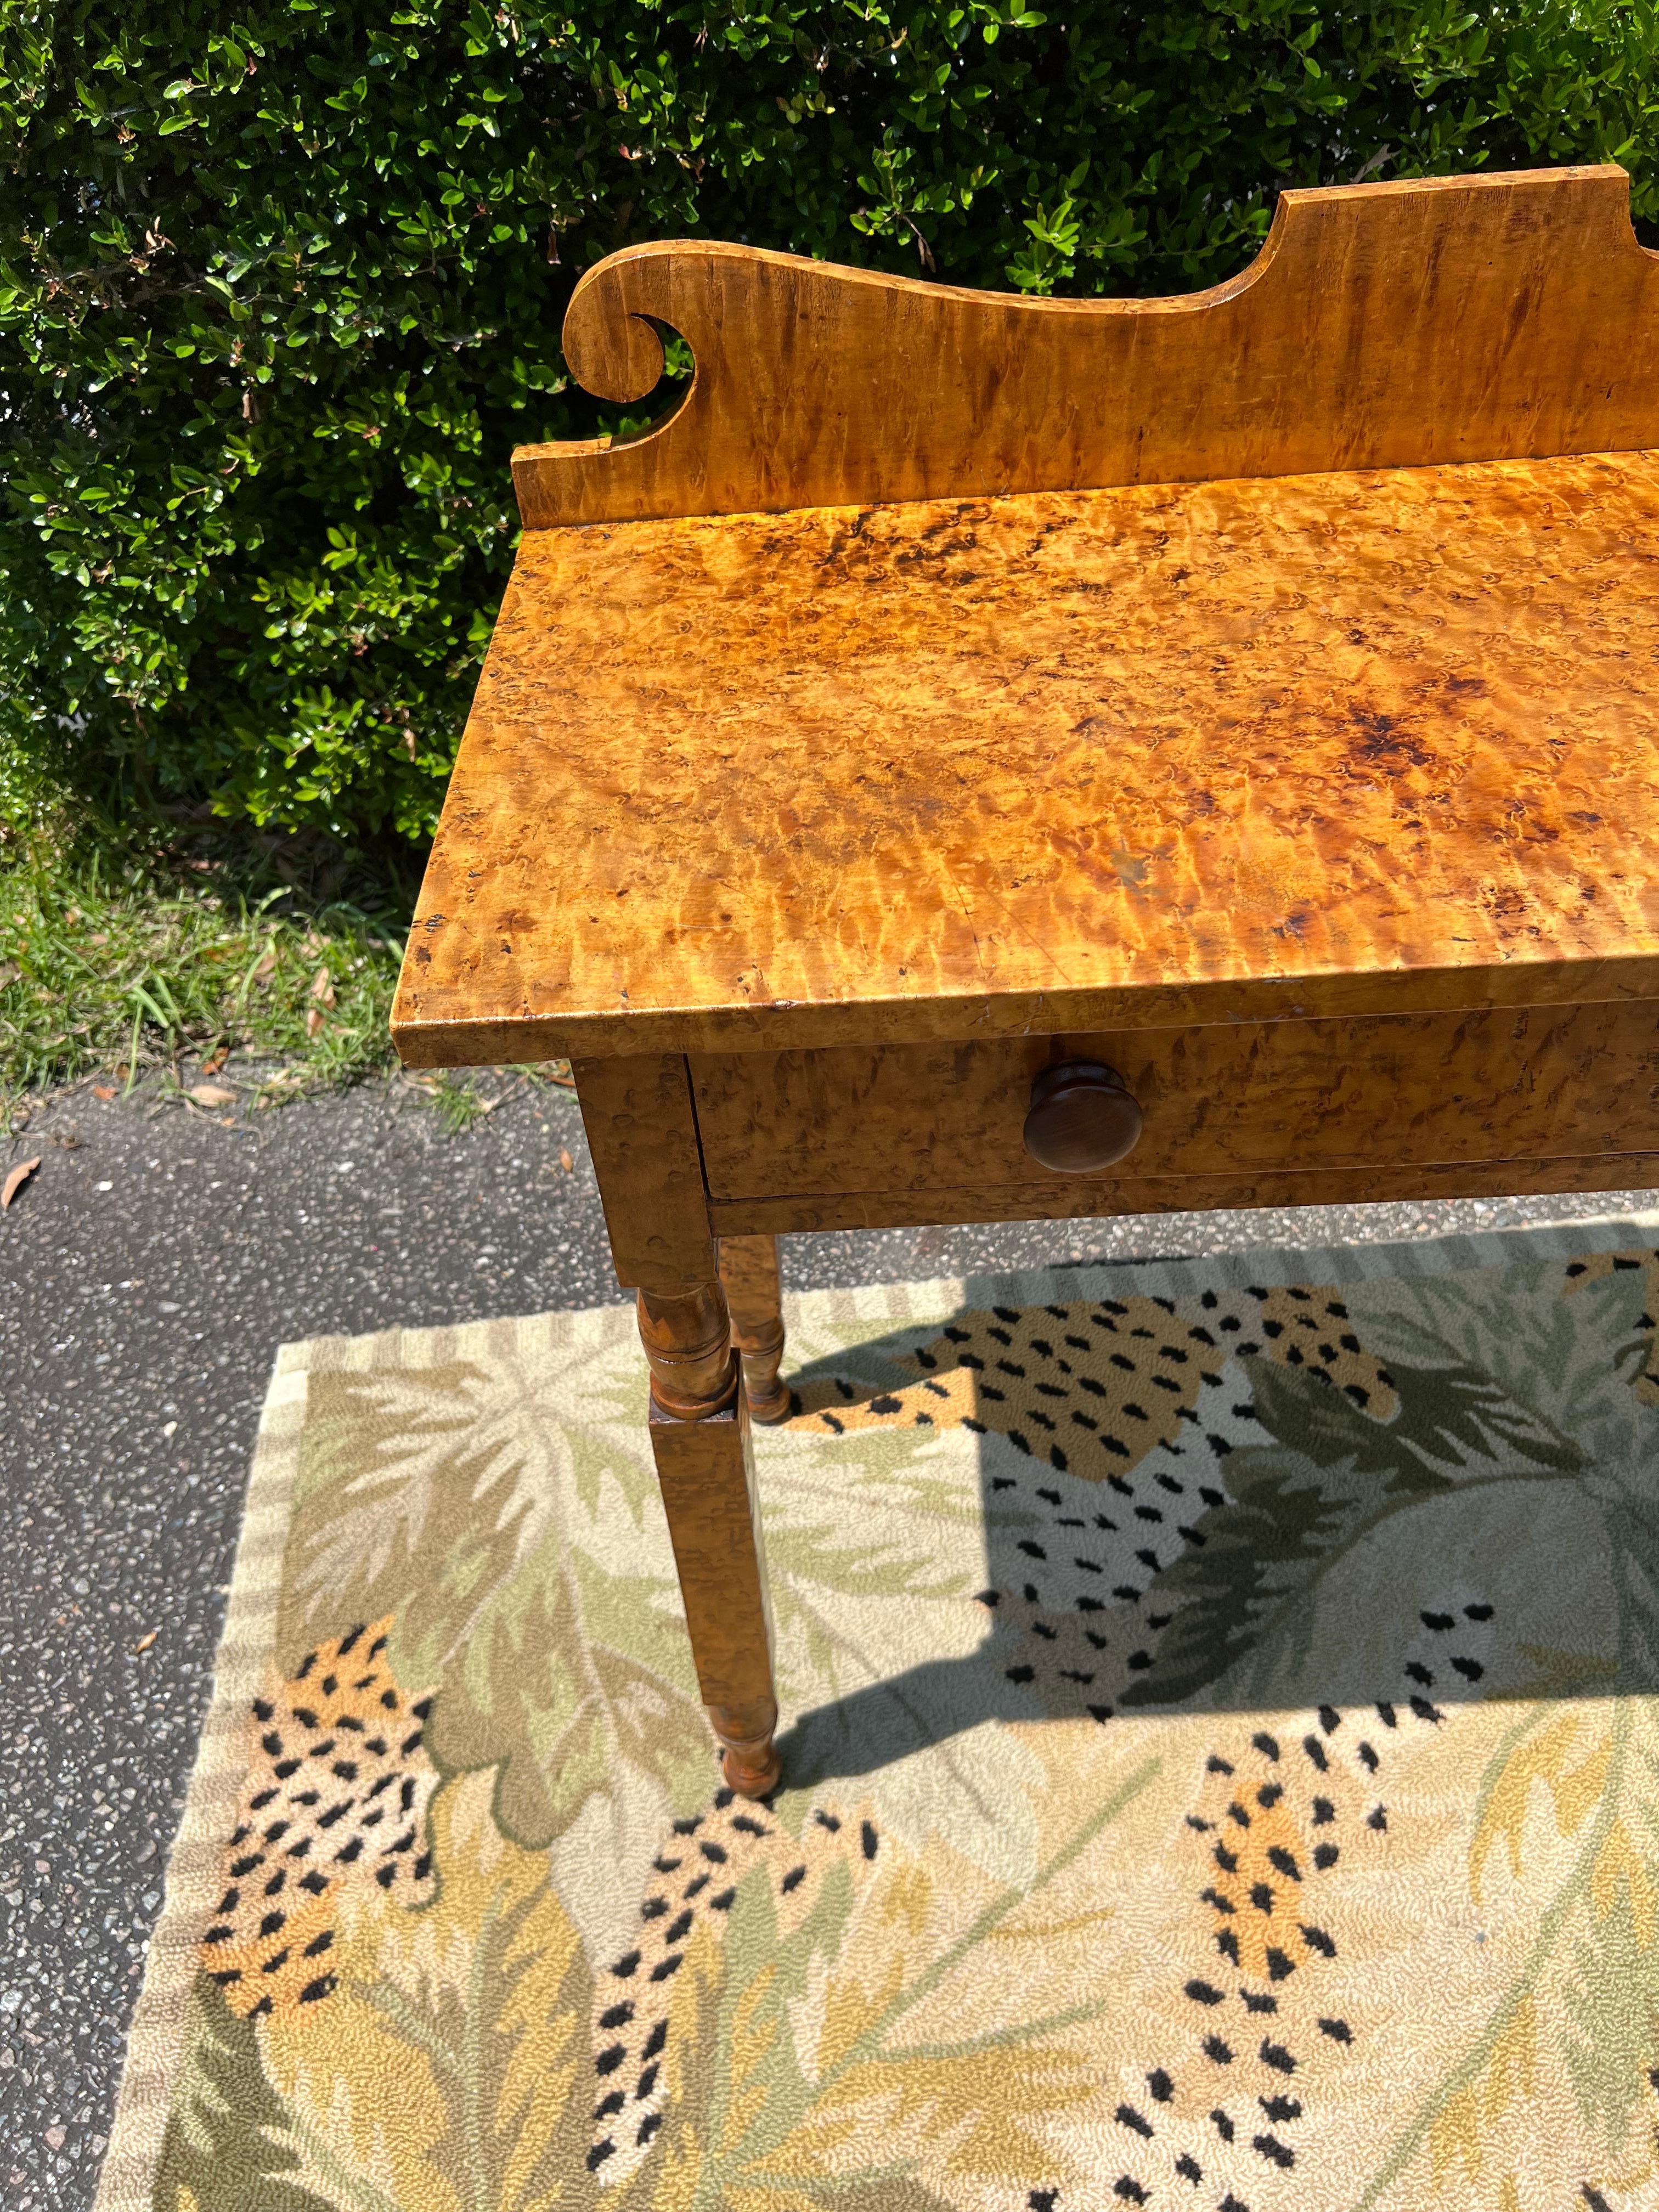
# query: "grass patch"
118,956
127,953
456,1100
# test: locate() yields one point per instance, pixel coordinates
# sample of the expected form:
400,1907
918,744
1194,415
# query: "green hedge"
279,290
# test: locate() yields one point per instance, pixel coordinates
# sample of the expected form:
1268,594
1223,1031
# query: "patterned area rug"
1222,1755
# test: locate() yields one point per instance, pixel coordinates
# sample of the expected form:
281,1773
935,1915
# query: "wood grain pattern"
1082,1118
754,1295
1286,742
1213,752
642,1133
1247,1098
1382,326
706,1470
1082,1198
688,1348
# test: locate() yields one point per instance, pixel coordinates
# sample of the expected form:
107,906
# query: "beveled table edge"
424,1040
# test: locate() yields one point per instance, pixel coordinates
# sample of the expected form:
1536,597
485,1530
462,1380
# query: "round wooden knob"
1082,1119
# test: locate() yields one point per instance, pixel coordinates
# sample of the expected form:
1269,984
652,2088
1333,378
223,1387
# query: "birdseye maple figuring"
1348,743
958,685
1388,326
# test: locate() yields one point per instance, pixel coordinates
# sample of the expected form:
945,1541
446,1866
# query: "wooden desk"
1253,696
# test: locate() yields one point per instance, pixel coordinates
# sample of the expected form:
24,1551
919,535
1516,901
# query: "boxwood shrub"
281,284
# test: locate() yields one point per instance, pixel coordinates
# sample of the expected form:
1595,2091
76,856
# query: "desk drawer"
1221,1101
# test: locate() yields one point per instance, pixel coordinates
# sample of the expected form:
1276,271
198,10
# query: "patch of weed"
457,1100
116,957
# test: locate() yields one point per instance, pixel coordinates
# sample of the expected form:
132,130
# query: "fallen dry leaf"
322,988
144,1641
9,972
313,1021
565,1160
267,966
501,1096
103,1091
215,1061
212,1094
15,1181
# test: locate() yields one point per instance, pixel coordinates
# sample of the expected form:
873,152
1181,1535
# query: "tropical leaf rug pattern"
1222,1757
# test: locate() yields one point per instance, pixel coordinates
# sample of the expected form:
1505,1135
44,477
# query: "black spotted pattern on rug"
696,1874
336,1796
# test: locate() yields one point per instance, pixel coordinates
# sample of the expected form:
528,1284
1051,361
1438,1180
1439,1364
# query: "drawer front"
1223,1100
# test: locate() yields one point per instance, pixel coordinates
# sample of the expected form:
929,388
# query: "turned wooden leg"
748,1271
700,1439
643,1130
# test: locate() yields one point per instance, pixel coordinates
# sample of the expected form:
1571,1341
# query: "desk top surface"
1230,750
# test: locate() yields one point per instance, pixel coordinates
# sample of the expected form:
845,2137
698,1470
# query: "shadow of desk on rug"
988,759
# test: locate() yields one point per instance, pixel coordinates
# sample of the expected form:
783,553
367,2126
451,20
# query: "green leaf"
444,1497
1288,1518
1447,1416
229,2144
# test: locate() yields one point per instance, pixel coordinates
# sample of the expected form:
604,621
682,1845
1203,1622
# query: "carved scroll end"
613,345
613,352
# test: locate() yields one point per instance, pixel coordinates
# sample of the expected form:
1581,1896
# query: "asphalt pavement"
149,1269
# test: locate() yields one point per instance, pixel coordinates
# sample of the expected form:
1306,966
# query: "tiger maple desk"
981,758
